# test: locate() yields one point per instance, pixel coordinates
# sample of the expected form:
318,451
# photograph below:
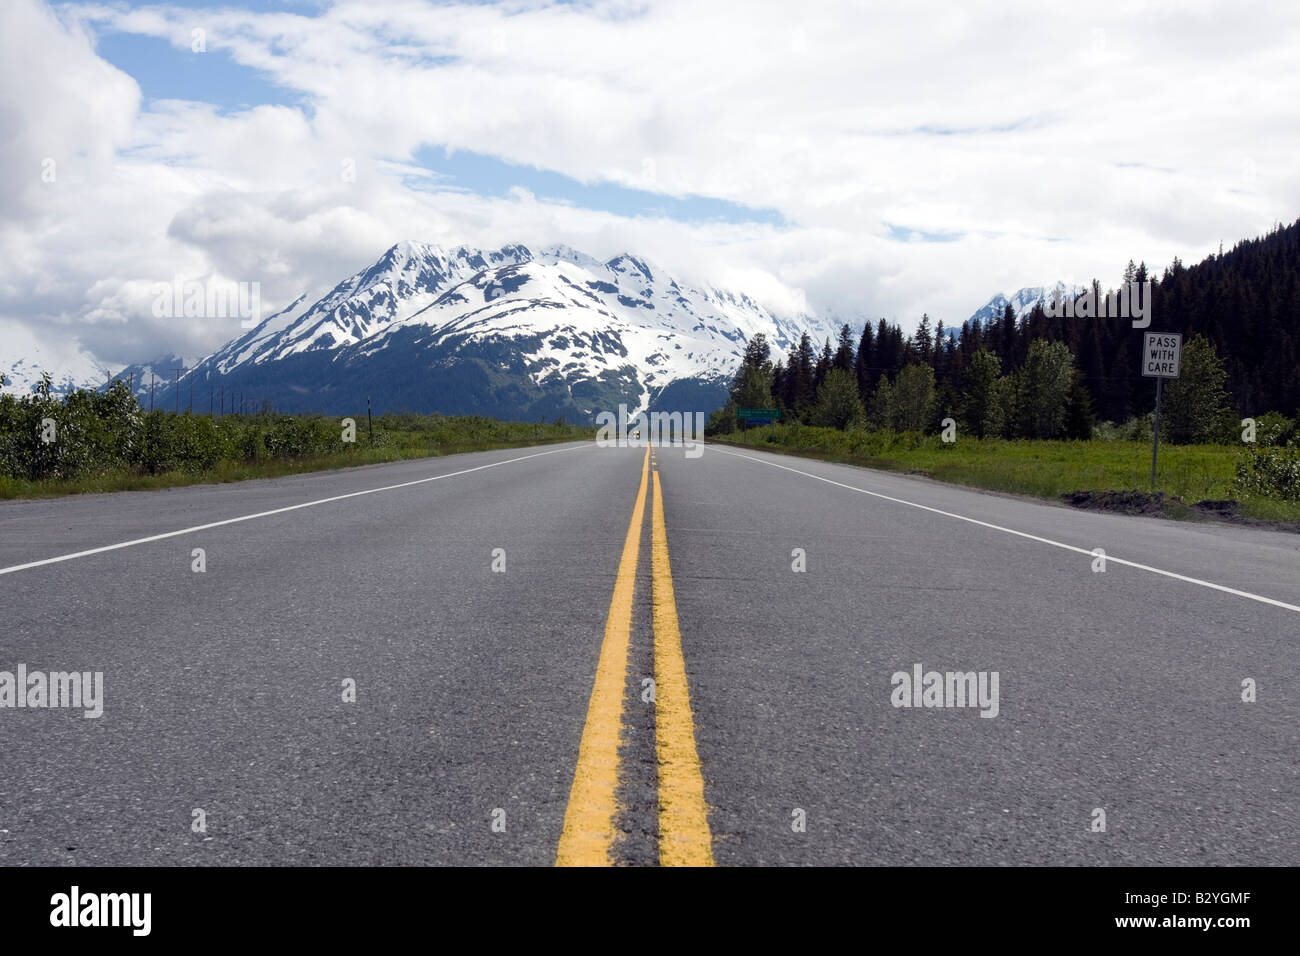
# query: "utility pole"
223,399
176,386
152,384
371,422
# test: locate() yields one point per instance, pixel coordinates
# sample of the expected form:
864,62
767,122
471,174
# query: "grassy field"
397,437
1042,469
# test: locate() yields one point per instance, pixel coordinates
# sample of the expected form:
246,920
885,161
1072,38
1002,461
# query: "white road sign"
1162,352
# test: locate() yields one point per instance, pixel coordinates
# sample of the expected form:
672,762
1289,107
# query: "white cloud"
1052,142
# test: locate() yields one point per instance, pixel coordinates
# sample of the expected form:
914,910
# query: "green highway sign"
759,416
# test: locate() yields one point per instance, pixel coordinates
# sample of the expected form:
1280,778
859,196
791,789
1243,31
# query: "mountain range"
509,333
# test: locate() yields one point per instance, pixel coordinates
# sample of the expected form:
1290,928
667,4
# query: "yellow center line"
684,838
589,820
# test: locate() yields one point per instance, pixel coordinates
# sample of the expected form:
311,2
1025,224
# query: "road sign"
759,416
1162,353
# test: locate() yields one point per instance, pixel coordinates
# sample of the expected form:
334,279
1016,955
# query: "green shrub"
105,435
1271,428
1269,471
190,443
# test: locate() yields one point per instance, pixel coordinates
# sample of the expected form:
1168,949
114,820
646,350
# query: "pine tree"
941,357
843,359
824,362
804,365
757,359
757,352
1079,417
891,354
778,384
790,386
923,342
863,364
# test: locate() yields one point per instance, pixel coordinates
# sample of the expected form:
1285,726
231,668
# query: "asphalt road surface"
583,655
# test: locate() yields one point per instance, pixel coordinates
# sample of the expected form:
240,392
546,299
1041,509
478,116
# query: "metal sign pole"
1155,435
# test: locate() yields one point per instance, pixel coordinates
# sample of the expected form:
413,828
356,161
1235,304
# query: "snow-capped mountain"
509,333
24,357
1024,300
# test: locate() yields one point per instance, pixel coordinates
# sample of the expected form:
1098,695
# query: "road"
644,677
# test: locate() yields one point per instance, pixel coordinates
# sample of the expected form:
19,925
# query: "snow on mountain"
519,332
23,357
405,279
512,333
1023,300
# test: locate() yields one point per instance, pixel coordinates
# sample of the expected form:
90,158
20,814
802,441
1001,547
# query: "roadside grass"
1041,469
398,437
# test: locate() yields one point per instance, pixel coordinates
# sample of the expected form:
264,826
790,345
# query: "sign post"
1162,355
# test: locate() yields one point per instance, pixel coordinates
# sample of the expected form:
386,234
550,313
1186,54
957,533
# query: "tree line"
1058,373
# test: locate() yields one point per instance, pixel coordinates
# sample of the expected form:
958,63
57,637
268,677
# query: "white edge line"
1022,534
265,514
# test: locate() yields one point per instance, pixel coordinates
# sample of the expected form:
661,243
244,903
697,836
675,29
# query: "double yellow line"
589,822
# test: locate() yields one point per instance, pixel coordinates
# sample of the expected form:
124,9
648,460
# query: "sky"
849,158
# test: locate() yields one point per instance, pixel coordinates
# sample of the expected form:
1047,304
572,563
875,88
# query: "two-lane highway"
584,654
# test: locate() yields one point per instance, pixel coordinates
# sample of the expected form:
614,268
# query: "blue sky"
489,176
166,71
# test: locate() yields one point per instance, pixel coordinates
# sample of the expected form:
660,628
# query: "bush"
1137,428
723,421
1269,471
92,431
107,433
1271,428
289,436
185,442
